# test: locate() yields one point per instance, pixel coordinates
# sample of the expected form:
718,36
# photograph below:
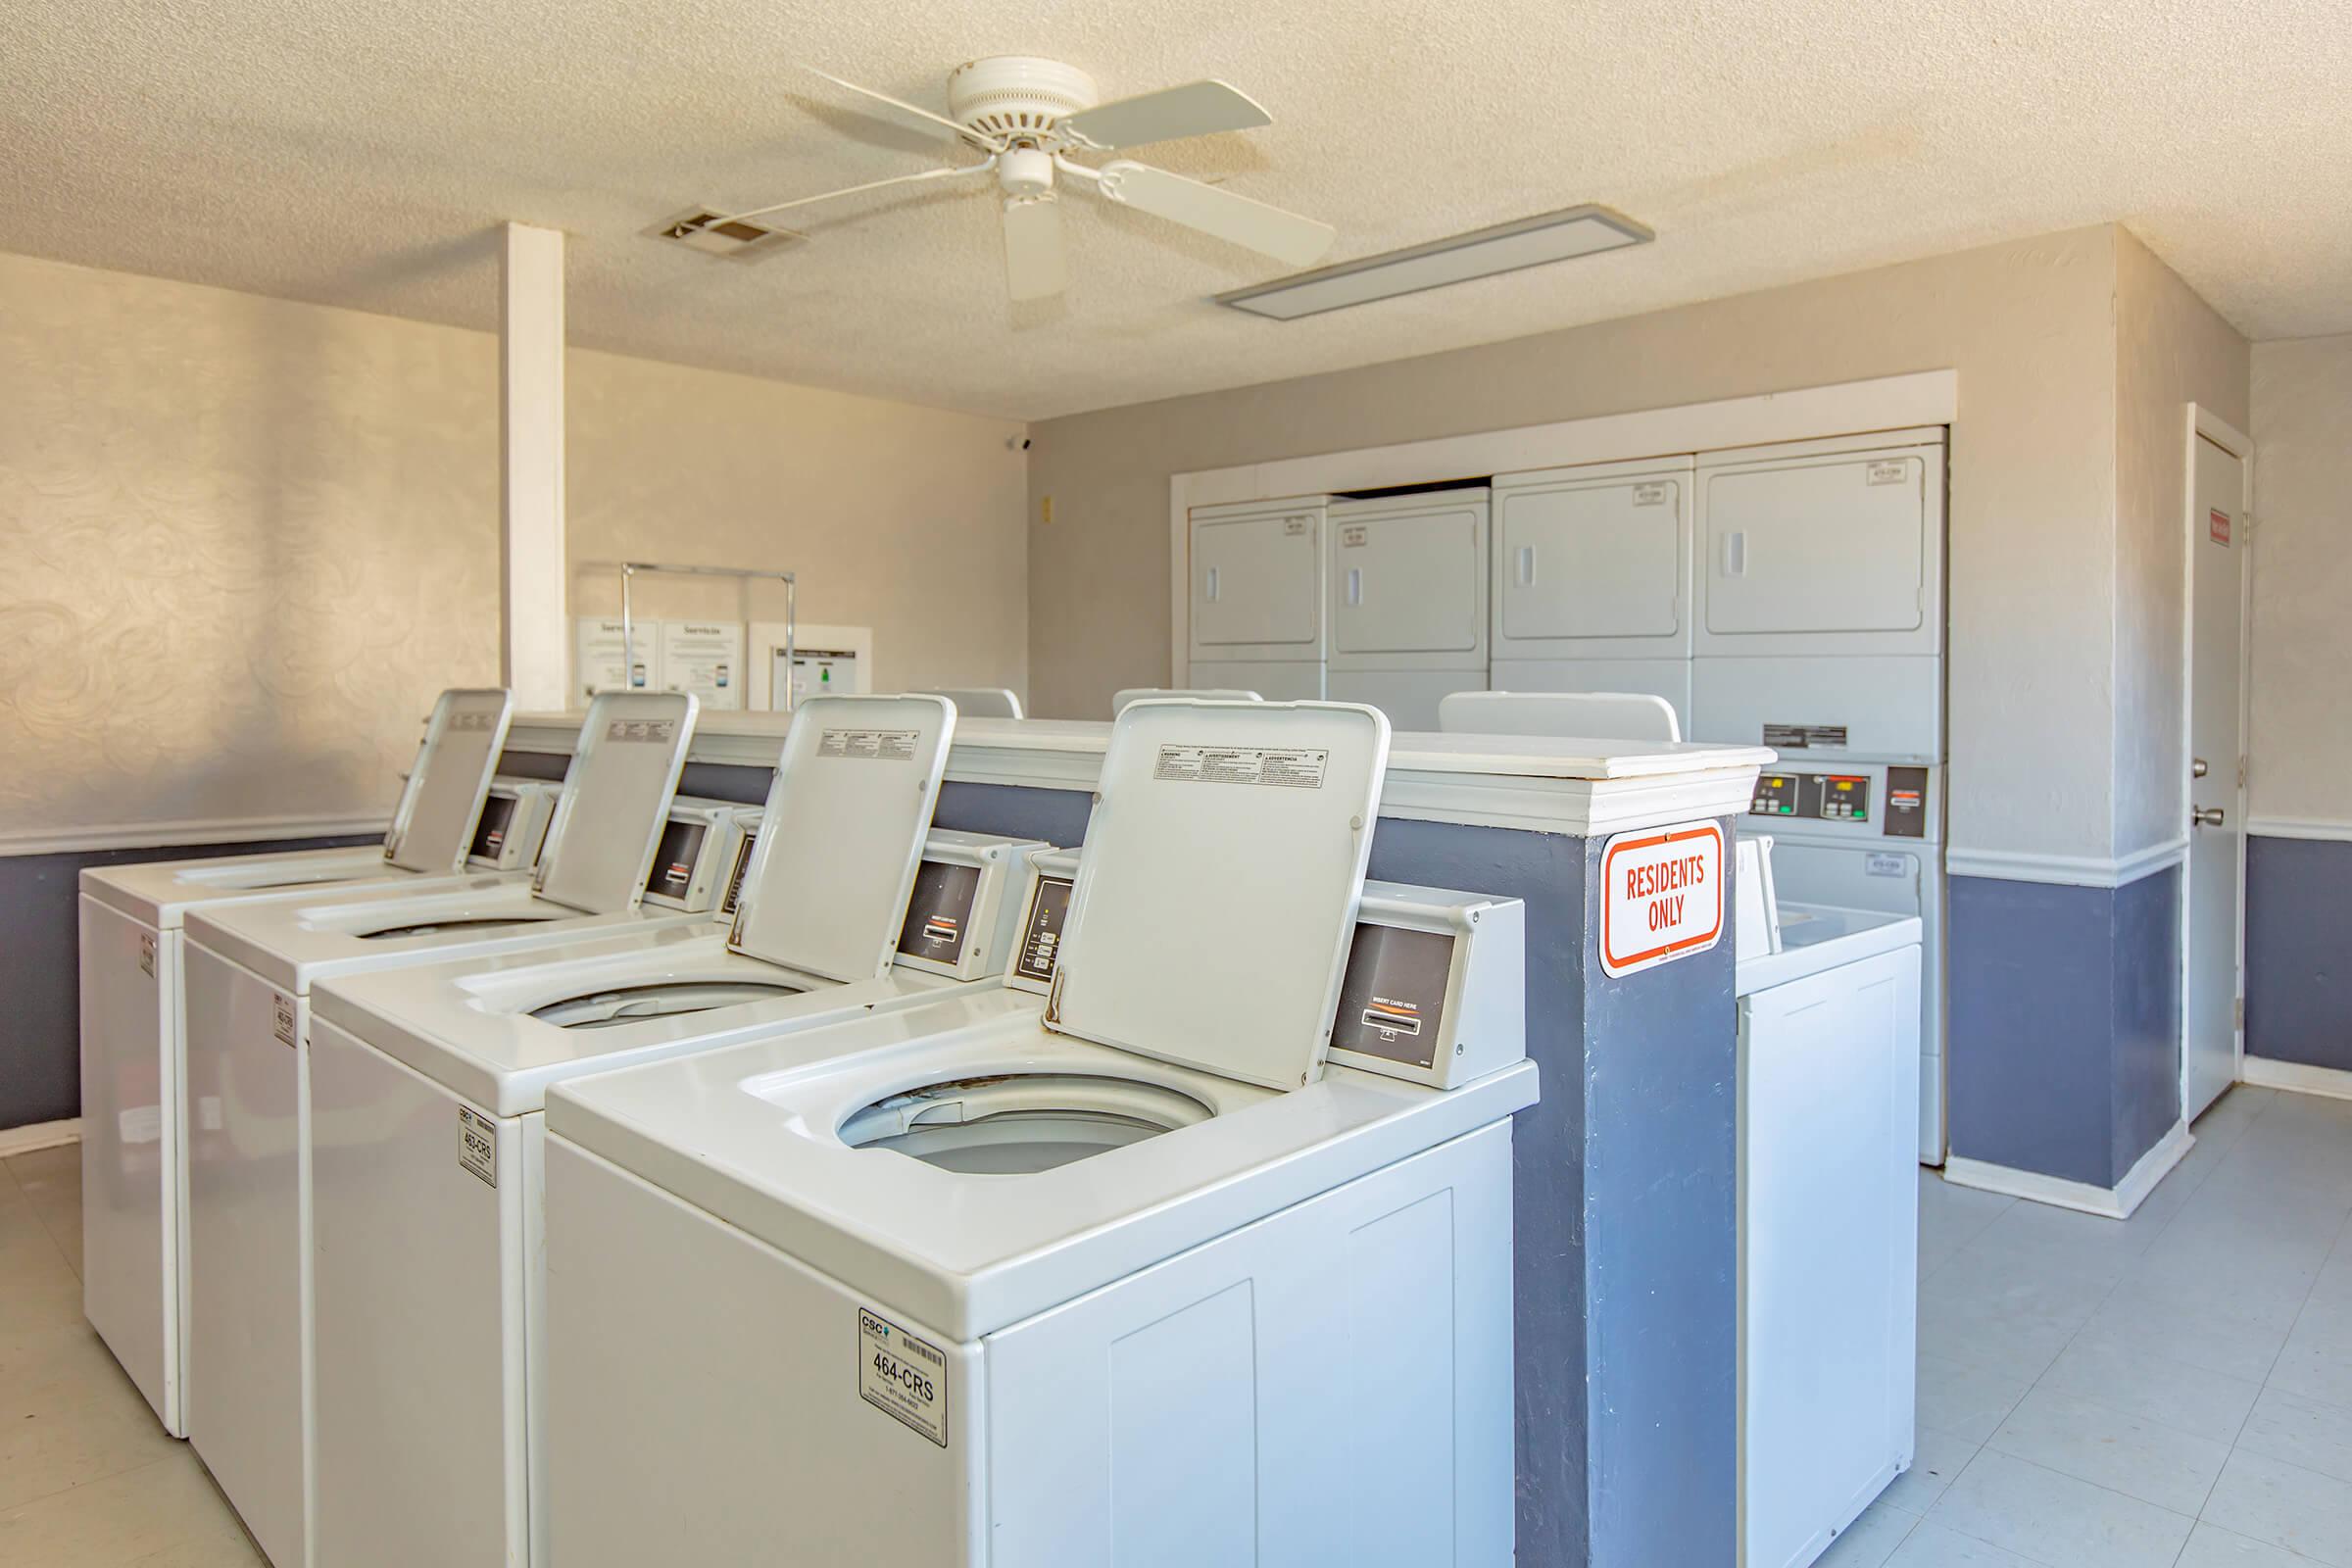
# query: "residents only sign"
1661,894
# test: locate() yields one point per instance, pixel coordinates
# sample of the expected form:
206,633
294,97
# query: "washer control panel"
696,853
1394,997
1044,911
1435,990
514,821
960,911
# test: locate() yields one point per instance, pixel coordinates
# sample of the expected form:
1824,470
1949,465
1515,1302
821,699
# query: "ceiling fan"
1032,118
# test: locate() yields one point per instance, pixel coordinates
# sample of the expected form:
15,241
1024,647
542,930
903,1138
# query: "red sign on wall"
1661,896
2216,524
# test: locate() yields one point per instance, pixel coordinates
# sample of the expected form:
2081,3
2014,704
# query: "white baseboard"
40,1134
2265,1072
2108,1202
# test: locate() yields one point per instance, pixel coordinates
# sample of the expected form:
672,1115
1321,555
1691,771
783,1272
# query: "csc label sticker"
903,1377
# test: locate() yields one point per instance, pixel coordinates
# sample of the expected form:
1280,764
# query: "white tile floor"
87,1478
2174,1391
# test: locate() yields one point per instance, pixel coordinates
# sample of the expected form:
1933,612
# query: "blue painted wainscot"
2064,1024
1626,1202
2300,951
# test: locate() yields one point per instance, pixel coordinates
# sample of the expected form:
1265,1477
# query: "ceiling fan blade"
1037,264
906,108
1251,224
851,190
1195,109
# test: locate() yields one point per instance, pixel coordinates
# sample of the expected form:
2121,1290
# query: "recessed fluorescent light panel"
1482,253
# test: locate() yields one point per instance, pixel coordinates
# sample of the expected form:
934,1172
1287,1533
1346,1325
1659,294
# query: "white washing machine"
1869,837
1829,1223
135,1122
1257,615
425,1207
1406,578
1592,580
1158,1268
249,969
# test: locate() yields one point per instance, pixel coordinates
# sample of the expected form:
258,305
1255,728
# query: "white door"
2212,976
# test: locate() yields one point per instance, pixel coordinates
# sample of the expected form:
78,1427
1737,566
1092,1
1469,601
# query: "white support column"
534,633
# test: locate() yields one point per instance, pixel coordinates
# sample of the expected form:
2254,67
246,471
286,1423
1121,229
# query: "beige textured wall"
2301,768
2171,350
242,543
2029,327
901,518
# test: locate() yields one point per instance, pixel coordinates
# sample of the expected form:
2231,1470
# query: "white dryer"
426,1269
1407,578
1257,598
1592,580
1157,1267
248,975
133,1120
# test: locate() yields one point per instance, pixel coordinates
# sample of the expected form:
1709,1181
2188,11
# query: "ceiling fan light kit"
1030,116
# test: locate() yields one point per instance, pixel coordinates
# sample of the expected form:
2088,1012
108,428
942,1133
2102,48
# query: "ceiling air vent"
699,229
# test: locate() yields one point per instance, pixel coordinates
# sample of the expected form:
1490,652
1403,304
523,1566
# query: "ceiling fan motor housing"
1017,98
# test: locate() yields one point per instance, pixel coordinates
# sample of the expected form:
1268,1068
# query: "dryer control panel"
1890,801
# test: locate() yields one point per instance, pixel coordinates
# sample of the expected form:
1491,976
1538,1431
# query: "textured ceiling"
360,154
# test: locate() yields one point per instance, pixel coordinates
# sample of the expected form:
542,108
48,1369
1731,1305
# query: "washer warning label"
1290,767
147,956
281,1011
901,1376
478,1143
641,731
874,745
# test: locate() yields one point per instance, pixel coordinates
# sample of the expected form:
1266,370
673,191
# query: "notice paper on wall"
705,657
603,662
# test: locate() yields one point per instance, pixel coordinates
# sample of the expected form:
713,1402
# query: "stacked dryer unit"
1820,633
1256,621
1592,580
1406,583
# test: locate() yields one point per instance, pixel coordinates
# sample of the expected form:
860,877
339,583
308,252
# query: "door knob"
2211,817
2197,768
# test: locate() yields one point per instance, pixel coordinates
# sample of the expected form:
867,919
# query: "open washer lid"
843,832
433,823
615,797
1217,891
